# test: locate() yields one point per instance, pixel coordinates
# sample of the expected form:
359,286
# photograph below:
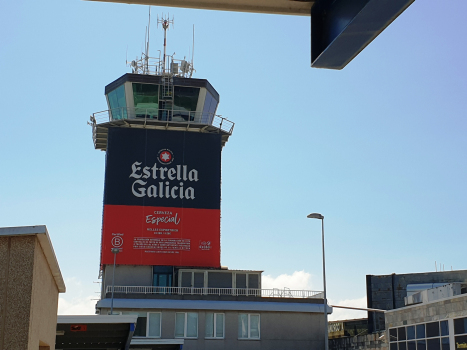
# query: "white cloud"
298,280
77,300
346,314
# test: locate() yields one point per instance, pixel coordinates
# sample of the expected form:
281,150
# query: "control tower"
163,143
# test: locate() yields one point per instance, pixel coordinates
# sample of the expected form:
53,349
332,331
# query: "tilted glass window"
185,103
117,103
146,99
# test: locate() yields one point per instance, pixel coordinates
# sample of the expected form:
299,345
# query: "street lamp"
114,251
321,217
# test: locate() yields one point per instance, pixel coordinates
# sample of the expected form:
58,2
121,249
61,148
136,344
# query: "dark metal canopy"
95,332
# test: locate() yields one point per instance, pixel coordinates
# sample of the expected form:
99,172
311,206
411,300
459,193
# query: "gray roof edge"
46,244
75,319
212,305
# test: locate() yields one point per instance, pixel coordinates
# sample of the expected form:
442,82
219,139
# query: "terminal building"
160,250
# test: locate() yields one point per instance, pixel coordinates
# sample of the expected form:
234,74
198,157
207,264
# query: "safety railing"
275,292
163,115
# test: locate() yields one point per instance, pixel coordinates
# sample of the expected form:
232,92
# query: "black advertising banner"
162,198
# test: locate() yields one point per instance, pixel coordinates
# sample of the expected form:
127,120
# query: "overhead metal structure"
340,29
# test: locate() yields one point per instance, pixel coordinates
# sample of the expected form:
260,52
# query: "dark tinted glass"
401,333
421,345
420,331
393,346
444,328
140,329
433,344
445,343
461,342
402,346
393,334
410,332
460,325
432,329
411,345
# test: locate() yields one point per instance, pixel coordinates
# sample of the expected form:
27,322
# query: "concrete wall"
44,304
438,310
28,295
387,292
278,330
16,271
127,275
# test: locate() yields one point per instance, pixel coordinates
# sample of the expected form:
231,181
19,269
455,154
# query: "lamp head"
115,250
315,216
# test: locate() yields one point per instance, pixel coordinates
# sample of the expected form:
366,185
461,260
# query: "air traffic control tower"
163,144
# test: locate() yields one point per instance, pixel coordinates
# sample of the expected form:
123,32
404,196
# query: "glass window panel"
186,279
444,327
199,280
461,342
117,103
179,325
421,344
460,325
253,281
401,333
445,343
393,346
254,326
243,325
432,329
146,99
420,331
219,325
192,325
411,345
185,103
393,334
154,324
433,344
209,325
410,332
402,346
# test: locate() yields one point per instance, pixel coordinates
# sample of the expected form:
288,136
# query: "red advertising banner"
161,236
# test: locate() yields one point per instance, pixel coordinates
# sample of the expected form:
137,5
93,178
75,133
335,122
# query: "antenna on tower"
166,22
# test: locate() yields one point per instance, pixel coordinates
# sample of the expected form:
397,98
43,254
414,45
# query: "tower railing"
264,293
163,115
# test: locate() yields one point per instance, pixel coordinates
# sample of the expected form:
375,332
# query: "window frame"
121,312
424,339
214,318
249,327
185,327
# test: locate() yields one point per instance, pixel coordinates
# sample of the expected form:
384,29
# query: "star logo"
165,156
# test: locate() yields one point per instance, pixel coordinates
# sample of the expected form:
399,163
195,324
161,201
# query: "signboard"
162,198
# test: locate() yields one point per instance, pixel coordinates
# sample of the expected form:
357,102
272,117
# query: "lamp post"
321,217
114,251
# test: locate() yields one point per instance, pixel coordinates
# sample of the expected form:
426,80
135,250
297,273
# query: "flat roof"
44,240
213,305
279,7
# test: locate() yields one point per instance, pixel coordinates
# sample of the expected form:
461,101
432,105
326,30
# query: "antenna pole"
147,44
165,25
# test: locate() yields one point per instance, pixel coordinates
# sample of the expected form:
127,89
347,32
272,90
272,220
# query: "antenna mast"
165,25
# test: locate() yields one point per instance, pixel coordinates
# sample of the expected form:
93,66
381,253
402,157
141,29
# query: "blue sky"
378,148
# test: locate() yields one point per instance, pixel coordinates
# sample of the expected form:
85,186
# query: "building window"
145,328
460,332
186,325
248,326
424,336
214,325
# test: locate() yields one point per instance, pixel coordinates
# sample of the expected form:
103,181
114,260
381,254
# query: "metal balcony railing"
163,115
275,292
